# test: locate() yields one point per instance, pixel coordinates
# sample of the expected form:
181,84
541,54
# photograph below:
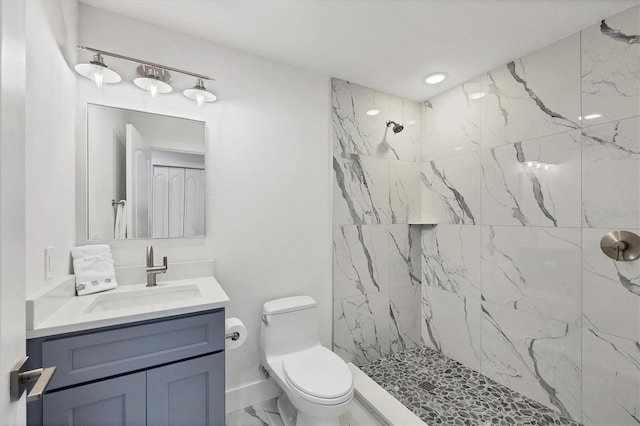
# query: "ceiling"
390,45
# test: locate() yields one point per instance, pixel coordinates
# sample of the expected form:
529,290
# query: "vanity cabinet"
158,372
116,401
182,394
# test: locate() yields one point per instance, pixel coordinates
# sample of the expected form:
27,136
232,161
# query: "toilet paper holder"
233,336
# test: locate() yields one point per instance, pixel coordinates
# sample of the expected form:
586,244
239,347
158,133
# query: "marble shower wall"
526,178
376,193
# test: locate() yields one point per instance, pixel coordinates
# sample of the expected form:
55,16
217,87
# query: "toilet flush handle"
265,319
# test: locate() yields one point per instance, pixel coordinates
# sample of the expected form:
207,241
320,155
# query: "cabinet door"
160,211
188,393
194,203
114,402
176,202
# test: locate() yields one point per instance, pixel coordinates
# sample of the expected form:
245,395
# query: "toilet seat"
318,375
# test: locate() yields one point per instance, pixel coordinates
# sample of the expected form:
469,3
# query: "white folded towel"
90,250
94,269
120,231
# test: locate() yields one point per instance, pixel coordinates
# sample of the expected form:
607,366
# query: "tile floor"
460,396
266,414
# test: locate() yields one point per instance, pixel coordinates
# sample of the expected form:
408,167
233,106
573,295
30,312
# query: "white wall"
12,203
268,169
107,168
169,132
51,35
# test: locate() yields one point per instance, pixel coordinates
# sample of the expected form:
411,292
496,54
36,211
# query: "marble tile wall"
376,253
528,166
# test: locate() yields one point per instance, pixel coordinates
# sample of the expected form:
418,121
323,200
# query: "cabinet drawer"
102,354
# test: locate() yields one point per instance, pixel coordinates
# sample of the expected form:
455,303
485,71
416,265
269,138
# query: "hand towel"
120,230
94,269
90,250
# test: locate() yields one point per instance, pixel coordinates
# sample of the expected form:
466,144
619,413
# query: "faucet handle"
164,261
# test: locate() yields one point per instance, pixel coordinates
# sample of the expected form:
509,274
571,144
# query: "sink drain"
428,386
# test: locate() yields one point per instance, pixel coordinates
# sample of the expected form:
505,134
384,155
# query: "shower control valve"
621,245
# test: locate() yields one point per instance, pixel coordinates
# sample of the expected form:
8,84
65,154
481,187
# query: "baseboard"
250,394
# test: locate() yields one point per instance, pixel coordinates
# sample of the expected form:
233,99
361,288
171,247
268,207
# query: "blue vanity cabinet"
119,401
186,393
168,371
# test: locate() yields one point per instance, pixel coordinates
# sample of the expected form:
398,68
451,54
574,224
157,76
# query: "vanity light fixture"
199,93
153,78
436,77
97,71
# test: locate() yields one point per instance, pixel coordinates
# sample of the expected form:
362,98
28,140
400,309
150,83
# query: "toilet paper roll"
234,325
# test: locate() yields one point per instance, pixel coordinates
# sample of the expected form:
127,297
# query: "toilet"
317,384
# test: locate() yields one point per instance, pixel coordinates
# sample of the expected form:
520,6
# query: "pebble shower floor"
442,391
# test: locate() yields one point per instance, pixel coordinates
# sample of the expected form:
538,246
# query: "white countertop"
73,315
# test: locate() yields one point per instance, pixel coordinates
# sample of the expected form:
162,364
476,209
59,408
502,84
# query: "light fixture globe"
199,93
152,85
98,72
153,80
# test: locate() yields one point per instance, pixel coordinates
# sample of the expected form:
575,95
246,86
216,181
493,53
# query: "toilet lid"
318,372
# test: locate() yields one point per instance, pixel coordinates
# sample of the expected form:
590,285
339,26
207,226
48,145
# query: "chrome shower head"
397,127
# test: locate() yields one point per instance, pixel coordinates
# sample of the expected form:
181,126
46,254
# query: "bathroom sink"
144,297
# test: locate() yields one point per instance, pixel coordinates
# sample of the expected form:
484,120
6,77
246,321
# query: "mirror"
145,175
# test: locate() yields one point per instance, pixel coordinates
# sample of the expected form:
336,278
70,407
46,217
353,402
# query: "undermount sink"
144,297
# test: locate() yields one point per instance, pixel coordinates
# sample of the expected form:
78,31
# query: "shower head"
397,127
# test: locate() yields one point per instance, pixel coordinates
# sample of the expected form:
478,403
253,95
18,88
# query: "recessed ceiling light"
477,95
592,116
435,78
373,112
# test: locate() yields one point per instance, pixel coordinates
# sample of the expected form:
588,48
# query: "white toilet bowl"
316,381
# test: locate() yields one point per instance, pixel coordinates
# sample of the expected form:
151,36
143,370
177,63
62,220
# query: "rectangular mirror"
145,175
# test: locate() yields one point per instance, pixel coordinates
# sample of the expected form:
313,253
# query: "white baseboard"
250,394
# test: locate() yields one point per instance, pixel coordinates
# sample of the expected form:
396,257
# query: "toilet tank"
289,325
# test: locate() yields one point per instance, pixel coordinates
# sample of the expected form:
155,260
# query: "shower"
397,127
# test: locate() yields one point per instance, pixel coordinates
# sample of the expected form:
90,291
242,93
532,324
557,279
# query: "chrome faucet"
152,270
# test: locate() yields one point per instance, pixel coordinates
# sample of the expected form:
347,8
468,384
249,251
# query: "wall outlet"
48,263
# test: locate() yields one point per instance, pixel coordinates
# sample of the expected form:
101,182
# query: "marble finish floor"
460,396
266,414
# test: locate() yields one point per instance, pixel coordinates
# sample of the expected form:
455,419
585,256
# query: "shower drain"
428,386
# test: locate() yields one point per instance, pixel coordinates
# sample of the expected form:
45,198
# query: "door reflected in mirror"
146,175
